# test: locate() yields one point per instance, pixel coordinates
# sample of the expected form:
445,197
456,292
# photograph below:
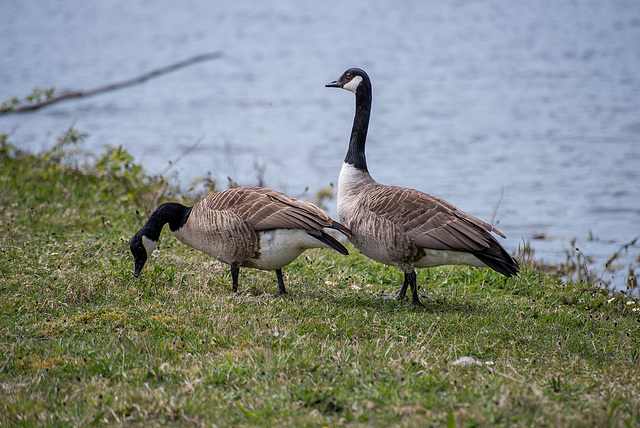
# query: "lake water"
527,113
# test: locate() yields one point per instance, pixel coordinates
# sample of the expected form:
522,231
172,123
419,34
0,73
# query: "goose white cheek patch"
353,84
149,245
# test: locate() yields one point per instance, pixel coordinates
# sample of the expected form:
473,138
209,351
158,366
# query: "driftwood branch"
79,94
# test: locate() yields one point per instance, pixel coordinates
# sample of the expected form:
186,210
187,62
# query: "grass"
83,342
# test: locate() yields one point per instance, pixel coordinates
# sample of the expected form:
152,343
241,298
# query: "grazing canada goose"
405,227
246,226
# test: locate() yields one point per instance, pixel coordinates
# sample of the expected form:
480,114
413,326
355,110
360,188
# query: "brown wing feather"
266,209
429,221
222,234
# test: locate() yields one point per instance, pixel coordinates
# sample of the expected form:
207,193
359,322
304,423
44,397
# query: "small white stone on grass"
471,361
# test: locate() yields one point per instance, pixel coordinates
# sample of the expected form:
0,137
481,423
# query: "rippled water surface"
526,114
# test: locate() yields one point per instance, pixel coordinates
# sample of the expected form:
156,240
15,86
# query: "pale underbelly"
402,257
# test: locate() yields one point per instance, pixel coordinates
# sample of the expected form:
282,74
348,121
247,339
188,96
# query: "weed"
37,96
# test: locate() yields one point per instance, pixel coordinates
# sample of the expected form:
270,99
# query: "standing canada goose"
246,226
405,227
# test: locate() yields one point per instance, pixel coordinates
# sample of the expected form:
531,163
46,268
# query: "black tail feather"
498,259
330,241
342,228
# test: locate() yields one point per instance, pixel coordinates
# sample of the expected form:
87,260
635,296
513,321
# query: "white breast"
443,258
280,247
350,181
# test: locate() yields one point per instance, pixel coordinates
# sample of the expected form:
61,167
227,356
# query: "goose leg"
403,290
234,277
411,278
281,288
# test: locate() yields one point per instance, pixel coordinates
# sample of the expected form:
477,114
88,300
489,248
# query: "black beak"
333,84
139,264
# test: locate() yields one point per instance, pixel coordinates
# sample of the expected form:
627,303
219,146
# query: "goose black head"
351,80
141,248
146,239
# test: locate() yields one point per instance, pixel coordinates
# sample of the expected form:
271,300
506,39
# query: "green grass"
84,342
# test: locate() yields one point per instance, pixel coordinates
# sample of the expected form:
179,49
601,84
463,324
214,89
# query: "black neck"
173,213
355,155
